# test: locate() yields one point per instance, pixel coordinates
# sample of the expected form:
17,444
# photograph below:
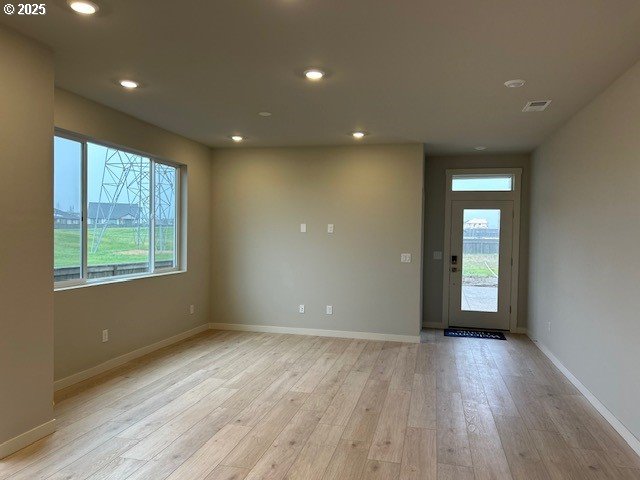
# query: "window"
116,212
482,183
67,208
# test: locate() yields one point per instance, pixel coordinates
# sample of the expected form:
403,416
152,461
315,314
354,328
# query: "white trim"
435,325
73,284
122,359
618,426
179,229
515,196
27,438
316,332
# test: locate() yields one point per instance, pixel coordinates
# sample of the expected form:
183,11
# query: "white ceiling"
404,70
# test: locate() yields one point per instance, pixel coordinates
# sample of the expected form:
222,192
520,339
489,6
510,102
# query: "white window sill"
95,282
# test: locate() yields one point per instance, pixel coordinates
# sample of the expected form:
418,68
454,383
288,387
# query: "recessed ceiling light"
264,114
358,135
480,148
314,74
83,7
237,138
130,84
517,83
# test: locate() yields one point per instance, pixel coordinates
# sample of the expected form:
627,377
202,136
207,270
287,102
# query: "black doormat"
451,332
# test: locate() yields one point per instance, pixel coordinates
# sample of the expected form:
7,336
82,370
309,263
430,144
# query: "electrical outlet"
330,228
192,309
405,257
105,336
329,309
300,308
303,228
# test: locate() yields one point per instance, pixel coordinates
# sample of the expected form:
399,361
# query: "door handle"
454,269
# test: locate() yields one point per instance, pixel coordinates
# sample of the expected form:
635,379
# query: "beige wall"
435,188
143,311
585,267
26,296
263,267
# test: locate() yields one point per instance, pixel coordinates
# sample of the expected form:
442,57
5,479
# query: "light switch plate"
405,257
329,310
303,228
330,228
437,255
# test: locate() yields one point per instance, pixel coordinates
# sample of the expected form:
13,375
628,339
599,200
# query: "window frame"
179,233
477,175
514,195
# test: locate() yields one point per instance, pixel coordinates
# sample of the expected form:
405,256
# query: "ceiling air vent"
536,106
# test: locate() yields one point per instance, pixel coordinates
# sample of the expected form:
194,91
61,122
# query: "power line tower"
165,215
126,179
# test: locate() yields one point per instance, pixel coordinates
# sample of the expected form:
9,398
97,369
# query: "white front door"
480,263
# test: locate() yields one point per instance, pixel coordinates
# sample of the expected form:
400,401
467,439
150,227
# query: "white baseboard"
122,359
619,427
316,332
27,438
438,326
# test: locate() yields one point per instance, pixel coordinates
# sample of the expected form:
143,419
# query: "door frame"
515,196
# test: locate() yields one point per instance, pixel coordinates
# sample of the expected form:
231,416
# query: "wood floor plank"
558,457
312,461
422,413
340,409
331,382
68,454
568,424
609,440
348,460
377,470
207,457
312,377
388,440
94,460
420,457
205,411
242,405
452,438
155,412
279,457
599,465
523,457
454,472
171,453
489,459
364,419
118,469
402,378
426,359
60,438
222,472
247,453
386,362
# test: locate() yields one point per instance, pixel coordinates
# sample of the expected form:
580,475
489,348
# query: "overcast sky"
66,178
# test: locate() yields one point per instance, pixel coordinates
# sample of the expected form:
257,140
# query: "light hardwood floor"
235,405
